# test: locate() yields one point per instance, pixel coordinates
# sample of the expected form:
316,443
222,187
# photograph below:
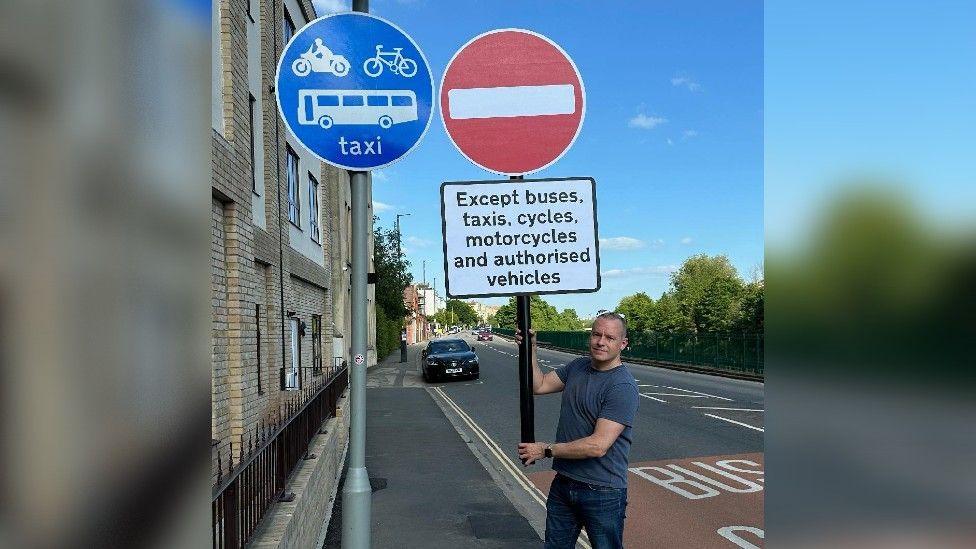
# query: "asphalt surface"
685,419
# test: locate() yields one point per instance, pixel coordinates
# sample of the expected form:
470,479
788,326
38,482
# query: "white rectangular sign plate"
507,102
531,236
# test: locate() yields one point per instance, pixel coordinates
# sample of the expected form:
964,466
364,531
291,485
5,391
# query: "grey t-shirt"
589,395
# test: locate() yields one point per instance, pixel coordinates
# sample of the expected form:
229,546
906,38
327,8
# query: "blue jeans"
573,505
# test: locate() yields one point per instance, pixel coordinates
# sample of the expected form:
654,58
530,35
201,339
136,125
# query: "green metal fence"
734,352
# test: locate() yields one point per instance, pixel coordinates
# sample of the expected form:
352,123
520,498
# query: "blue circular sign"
355,90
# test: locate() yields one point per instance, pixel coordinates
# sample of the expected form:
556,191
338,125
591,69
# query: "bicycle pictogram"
398,64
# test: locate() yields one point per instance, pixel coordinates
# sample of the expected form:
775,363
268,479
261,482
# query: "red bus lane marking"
714,501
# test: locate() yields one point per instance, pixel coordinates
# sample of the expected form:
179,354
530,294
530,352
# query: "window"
257,322
402,101
378,101
352,100
328,100
253,121
313,207
290,380
316,345
294,209
289,28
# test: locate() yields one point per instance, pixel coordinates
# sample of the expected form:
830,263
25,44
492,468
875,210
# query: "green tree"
545,317
459,312
392,277
638,309
668,317
708,291
570,321
752,311
505,316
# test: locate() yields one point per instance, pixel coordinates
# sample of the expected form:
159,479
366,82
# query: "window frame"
286,24
294,194
252,103
313,208
316,345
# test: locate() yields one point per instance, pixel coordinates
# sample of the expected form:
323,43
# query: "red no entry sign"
512,101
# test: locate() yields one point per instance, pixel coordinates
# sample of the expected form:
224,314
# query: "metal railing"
244,493
736,352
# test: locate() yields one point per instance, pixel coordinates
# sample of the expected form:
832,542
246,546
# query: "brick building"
280,237
416,323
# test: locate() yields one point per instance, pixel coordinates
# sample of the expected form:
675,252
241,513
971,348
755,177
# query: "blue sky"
880,90
673,132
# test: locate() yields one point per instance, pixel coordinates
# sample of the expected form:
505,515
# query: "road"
696,460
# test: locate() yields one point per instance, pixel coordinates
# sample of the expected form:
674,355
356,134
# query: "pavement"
429,488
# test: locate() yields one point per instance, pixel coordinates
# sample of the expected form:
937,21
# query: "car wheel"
476,376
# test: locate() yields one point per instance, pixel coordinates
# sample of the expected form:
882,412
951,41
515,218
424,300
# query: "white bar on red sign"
508,102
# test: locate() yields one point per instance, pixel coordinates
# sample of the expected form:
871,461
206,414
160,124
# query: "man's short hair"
612,315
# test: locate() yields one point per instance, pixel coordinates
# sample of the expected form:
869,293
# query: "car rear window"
449,347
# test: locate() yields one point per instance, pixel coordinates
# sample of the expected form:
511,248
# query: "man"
592,444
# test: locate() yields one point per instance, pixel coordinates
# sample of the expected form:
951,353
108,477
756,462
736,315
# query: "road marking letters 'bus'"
693,485
731,533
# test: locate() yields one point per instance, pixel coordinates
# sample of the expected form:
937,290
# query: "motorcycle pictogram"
320,58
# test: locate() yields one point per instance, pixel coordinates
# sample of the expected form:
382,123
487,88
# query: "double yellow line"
518,475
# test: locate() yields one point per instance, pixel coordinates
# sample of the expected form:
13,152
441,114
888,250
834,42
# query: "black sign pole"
523,320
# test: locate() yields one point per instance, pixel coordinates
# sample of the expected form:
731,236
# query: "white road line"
737,422
730,409
696,392
640,385
519,476
653,398
493,448
677,395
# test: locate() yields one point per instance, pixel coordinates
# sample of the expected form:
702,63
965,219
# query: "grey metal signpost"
356,492
356,137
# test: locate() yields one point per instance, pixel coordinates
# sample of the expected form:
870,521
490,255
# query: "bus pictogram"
382,108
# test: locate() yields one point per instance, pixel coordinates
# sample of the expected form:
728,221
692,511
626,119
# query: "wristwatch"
549,451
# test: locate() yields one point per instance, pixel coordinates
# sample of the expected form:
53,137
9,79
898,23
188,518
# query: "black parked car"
449,358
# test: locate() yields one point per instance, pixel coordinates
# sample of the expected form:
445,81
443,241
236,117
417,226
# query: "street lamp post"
399,238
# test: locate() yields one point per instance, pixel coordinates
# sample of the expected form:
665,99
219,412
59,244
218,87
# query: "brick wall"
255,266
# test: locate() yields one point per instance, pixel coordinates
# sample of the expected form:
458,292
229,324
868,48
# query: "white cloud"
670,142
657,243
686,82
380,175
621,243
688,134
380,207
418,242
687,240
323,7
658,270
645,122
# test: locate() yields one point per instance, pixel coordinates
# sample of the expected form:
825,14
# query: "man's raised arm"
541,383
